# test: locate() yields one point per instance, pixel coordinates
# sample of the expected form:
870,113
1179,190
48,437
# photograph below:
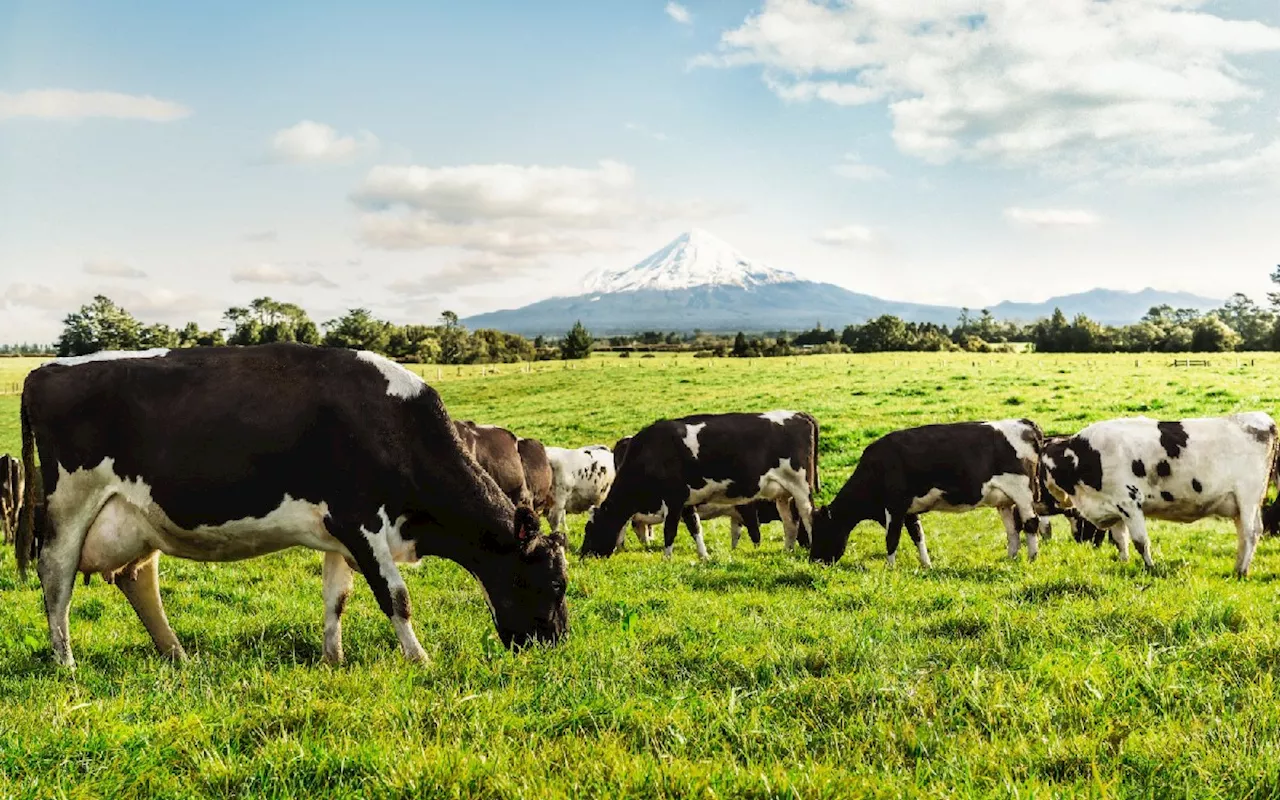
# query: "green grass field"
752,675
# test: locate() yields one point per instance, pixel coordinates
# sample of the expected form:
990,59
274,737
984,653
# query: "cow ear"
526,524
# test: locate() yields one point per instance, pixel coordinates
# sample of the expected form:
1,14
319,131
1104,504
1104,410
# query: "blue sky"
413,157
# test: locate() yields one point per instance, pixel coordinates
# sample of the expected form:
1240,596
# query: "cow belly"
1190,510
713,492
123,532
936,500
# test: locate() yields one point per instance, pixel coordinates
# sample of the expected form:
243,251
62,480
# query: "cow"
949,467
537,474
498,451
11,480
673,466
226,453
1118,473
748,515
580,480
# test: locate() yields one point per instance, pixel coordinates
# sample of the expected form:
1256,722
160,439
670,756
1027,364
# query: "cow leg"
747,515
790,525
1011,530
1120,537
57,572
916,532
670,526
373,557
735,532
643,533
337,578
1137,525
892,534
691,521
1032,529
140,583
1248,529
555,517
803,537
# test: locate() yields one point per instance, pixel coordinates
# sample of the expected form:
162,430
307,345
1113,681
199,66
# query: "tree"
740,347
576,343
358,330
1212,335
99,325
159,335
267,320
881,334
453,339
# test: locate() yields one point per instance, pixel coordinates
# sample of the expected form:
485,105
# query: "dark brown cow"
498,452
537,474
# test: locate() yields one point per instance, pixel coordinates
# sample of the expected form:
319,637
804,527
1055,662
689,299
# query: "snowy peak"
693,259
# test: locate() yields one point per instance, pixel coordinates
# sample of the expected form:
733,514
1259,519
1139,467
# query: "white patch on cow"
713,491
110,355
580,480
1013,430
778,417
691,437
933,500
783,481
400,382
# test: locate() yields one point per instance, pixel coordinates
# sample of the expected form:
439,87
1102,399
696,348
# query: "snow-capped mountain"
700,282
696,258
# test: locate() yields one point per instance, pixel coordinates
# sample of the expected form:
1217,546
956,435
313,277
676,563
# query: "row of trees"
103,325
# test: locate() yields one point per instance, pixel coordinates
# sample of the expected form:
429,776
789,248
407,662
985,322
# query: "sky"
415,157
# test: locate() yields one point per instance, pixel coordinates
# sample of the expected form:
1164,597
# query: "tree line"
101,324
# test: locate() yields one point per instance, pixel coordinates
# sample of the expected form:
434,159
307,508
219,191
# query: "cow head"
829,539
526,592
599,538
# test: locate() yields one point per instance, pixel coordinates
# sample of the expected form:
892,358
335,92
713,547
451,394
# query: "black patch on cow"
1263,436
1139,469
341,606
1195,484
1133,492
1173,437
1122,511
1167,496
1163,469
400,603
1085,468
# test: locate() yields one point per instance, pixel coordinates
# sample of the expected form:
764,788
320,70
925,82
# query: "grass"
753,675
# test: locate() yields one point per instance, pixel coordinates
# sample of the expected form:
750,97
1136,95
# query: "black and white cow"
746,515
952,467
221,454
580,480
1118,473
673,466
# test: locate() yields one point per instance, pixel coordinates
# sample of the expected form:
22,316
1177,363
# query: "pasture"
752,675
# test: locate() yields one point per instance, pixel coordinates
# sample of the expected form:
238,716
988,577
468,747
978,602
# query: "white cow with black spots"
580,480
1119,473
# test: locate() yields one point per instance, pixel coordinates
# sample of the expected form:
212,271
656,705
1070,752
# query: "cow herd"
221,454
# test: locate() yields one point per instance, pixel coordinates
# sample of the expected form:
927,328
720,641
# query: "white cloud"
314,142
508,211
1052,217
848,236
679,13
1067,86
261,236
112,269
282,276
149,304
69,104
854,169
477,270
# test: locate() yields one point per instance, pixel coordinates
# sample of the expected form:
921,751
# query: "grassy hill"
753,675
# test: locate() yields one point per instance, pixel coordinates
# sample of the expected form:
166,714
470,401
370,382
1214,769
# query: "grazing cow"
580,480
951,467
1118,473
673,466
225,453
497,451
537,474
749,515
11,479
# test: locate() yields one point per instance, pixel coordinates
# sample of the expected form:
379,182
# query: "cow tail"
24,543
1271,511
813,457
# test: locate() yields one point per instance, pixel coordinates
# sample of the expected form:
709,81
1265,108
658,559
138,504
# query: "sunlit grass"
755,674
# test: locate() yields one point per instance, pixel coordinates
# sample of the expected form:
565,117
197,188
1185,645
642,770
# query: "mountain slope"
698,282
1108,306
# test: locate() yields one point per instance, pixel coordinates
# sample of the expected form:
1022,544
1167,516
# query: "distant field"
753,675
